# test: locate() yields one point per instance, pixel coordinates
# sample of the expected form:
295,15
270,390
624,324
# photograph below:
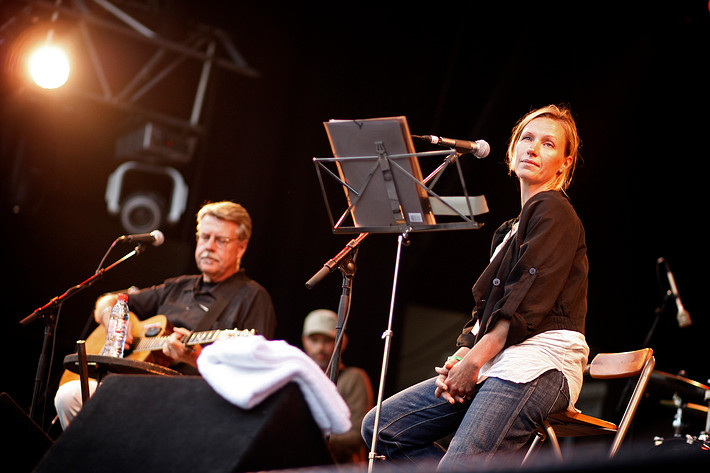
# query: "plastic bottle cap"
123,297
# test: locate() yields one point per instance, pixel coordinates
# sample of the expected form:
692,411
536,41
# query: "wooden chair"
638,363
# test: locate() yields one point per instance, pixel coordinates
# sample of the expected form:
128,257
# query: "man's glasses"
220,241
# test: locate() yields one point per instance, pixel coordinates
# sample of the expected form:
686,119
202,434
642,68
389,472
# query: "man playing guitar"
222,296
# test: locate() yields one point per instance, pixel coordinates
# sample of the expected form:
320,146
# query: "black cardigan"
538,280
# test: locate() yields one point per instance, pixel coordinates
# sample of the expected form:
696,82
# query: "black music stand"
378,169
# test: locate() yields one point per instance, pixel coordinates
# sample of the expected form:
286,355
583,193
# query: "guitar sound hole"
152,331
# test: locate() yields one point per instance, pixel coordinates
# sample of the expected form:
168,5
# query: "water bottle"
117,328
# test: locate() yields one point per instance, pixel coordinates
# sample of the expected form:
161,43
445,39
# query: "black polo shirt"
184,300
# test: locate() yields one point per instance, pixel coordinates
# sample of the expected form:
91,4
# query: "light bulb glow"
49,67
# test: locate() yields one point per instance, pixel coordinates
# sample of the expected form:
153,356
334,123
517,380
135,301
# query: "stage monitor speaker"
24,442
142,423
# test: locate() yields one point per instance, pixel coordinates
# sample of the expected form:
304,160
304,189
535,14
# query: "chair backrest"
624,365
619,365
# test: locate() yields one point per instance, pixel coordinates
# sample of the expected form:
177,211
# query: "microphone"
155,238
683,316
479,149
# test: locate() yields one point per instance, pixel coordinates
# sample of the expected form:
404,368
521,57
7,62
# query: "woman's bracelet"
454,357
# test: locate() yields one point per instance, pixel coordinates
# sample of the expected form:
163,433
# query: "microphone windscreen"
159,237
483,149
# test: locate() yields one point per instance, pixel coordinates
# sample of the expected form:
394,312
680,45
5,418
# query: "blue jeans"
501,417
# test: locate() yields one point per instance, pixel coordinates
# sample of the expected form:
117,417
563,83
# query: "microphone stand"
345,260
48,312
342,257
348,269
658,313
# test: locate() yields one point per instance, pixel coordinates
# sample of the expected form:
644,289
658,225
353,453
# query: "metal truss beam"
208,46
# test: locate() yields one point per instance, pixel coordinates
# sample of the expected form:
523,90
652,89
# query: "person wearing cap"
318,338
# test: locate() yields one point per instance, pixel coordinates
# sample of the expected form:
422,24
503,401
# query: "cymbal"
685,388
686,405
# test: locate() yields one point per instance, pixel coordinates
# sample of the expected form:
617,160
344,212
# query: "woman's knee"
368,426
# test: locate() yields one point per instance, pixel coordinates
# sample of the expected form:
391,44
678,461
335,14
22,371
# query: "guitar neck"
196,338
157,343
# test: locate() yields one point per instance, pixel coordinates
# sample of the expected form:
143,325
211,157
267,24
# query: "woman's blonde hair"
563,115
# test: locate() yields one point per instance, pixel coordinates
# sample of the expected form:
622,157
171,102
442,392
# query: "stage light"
49,66
142,211
146,196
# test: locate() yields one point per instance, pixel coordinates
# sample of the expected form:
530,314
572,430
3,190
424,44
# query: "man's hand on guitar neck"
176,348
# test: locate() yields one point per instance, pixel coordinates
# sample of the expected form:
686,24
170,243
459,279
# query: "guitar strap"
225,294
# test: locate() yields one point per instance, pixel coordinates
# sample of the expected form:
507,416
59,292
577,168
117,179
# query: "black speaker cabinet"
141,423
23,441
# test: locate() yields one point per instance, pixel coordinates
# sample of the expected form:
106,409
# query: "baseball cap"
321,321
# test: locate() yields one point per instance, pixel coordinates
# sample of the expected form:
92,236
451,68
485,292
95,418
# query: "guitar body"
157,326
149,337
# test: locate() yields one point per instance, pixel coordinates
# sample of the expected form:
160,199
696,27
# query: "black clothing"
538,279
184,300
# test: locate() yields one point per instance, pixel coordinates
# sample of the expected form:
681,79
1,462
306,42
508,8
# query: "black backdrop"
633,78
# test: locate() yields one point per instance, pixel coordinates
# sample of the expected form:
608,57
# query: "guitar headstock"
234,333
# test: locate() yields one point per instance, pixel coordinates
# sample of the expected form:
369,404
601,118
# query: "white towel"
247,370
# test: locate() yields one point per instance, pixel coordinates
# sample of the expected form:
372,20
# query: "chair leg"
536,443
548,434
553,439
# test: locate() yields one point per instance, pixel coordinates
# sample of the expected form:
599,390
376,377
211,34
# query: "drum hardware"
678,417
705,434
684,389
687,444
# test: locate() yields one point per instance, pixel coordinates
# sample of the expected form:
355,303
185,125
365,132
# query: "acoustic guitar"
149,336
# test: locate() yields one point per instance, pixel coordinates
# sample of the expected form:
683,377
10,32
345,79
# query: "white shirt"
563,350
